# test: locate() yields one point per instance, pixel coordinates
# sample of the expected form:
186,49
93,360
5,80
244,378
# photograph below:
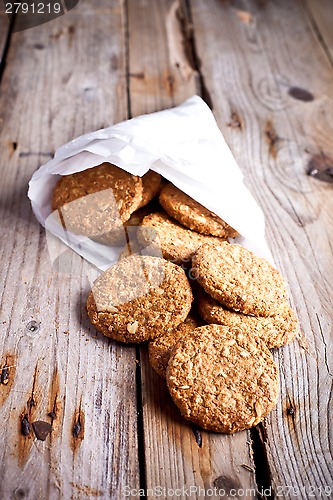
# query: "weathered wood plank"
62,79
271,87
173,458
321,13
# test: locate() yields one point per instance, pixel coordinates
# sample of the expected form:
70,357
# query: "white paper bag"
185,145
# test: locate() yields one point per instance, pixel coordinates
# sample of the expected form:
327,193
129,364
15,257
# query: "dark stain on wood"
139,76
272,138
27,416
198,435
235,122
33,326
25,438
77,429
320,166
7,376
54,395
31,403
169,83
227,484
300,94
42,429
39,46
290,409
98,398
20,493
4,378
12,146
25,426
55,404
114,62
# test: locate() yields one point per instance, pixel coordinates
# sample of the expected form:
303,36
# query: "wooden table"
265,68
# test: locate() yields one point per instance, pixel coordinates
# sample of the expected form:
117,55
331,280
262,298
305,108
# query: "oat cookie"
127,231
177,243
139,298
240,280
191,214
221,379
151,185
98,200
159,349
275,331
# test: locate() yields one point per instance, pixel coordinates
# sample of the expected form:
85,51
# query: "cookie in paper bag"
192,214
97,201
176,242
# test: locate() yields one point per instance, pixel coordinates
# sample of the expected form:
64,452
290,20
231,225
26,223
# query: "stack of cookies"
218,366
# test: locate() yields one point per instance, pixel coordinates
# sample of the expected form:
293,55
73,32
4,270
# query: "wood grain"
174,457
61,79
258,52
321,13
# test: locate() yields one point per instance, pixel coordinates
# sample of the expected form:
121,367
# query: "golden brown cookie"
151,185
98,200
191,214
275,331
221,379
127,232
139,298
240,280
177,243
159,349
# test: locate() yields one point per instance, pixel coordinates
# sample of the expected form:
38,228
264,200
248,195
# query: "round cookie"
98,200
275,331
151,185
221,379
177,243
191,214
127,231
240,280
159,349
139,298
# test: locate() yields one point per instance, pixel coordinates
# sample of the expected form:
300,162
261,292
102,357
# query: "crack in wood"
262,472
6,45
189,36
198,435
77,433
140,422
272,138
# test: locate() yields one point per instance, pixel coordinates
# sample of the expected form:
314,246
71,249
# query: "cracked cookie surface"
222,380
